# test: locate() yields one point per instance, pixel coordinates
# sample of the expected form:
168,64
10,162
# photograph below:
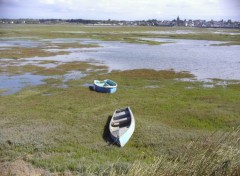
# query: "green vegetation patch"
66,129
61,69
130,34
42,51
227,43
16,70
19,52
69,45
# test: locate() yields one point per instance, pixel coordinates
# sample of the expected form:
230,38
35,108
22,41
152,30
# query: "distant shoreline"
229,24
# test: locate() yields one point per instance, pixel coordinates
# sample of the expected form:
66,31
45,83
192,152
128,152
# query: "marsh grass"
17,70
58,70
209,36
66,130
41,51
69,45
18,52
128,34
228,43
217,154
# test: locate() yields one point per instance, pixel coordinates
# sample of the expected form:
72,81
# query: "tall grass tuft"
214,155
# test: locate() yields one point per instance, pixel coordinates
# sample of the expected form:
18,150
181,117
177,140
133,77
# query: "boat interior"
121,122
121,119
110,83
105,83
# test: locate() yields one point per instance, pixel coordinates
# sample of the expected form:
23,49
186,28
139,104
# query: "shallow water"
15,83
17,42
196,56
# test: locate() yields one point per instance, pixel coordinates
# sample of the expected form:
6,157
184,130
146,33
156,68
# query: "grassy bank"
17,52
182,128
66,129
128,34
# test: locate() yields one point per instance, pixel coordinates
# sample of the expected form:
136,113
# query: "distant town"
152,22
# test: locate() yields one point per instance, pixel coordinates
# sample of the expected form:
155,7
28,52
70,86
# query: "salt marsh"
198,57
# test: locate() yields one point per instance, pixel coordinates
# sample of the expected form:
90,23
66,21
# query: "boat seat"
120,121
121,115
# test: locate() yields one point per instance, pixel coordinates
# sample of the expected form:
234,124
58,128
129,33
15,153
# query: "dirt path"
19,168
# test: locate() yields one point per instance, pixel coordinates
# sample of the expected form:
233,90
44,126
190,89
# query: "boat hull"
104,89
123,140
106,86
122,126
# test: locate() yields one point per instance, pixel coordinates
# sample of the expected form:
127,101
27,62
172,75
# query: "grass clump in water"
41,51
18,52
130,34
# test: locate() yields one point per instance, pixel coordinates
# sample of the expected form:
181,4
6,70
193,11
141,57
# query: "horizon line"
113,19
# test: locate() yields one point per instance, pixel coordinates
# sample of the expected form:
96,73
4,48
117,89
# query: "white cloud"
51,1
125,9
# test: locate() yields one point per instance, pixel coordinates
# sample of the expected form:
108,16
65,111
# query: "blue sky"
121,9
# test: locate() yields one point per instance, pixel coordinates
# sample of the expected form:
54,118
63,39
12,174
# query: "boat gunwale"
104,81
